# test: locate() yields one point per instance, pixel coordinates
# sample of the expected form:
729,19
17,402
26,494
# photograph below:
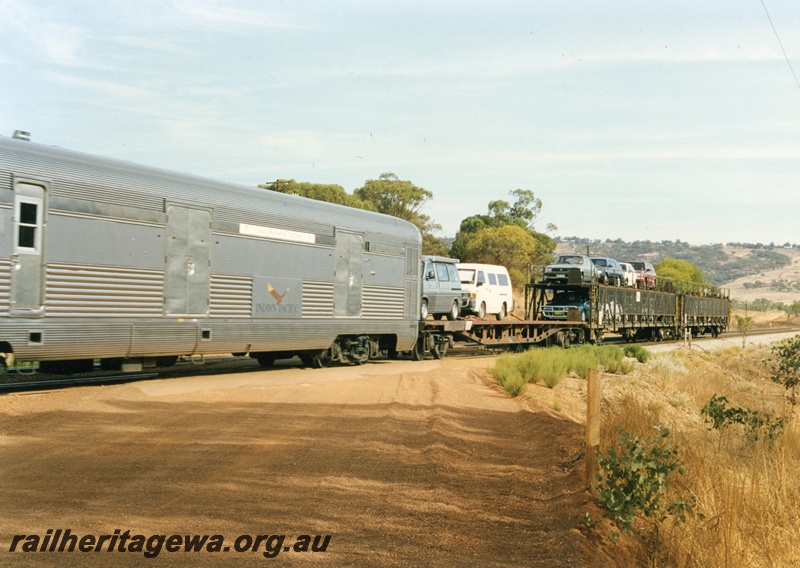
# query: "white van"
489,288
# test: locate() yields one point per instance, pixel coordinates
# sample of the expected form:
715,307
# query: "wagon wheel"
439,349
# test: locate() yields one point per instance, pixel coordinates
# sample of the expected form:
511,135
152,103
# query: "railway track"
34,382
50,384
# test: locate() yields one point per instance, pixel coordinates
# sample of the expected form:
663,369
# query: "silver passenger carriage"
102,259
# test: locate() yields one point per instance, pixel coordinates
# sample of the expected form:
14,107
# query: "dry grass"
747,491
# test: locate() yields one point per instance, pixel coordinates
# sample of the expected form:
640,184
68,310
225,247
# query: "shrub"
635,478
637,352
786,366
755,423
509,375
611,358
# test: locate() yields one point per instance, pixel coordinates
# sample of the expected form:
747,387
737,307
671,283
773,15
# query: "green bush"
637,352
756,424
636,475
509,375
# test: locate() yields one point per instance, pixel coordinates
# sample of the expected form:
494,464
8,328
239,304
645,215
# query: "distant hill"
760,271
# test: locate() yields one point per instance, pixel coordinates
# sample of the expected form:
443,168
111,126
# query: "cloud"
103,89
39,31
168,45
217,15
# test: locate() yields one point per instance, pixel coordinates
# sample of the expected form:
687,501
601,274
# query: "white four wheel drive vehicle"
489,289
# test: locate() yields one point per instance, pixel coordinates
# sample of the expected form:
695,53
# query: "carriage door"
27,261
348,278
188,261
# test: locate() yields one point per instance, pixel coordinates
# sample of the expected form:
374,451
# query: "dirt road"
402,463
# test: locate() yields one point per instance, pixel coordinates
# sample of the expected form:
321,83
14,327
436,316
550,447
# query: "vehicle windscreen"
599,262
467,276
570,260
453,272
638,265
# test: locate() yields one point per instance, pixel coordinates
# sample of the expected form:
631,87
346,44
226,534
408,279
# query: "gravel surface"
402,463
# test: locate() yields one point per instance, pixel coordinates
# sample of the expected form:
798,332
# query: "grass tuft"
549,366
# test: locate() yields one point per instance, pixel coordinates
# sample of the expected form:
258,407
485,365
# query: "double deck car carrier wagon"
576,312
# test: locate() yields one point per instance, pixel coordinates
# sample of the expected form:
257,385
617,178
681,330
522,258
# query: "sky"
651,119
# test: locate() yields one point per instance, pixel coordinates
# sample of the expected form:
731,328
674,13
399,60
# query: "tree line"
717,265
504,235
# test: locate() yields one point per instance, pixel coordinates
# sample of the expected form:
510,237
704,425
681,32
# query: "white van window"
453,272
428,269
466,276
503,279
492,279
441,272
481,278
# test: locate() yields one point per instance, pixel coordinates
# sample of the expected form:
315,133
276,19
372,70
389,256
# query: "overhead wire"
788,62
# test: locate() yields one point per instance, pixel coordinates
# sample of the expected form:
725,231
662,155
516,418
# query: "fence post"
592,427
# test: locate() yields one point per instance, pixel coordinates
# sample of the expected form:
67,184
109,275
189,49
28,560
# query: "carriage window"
29,215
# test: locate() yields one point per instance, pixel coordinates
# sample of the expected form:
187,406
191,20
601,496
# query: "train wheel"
502,313
482,311
452,315
321,359
439,349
